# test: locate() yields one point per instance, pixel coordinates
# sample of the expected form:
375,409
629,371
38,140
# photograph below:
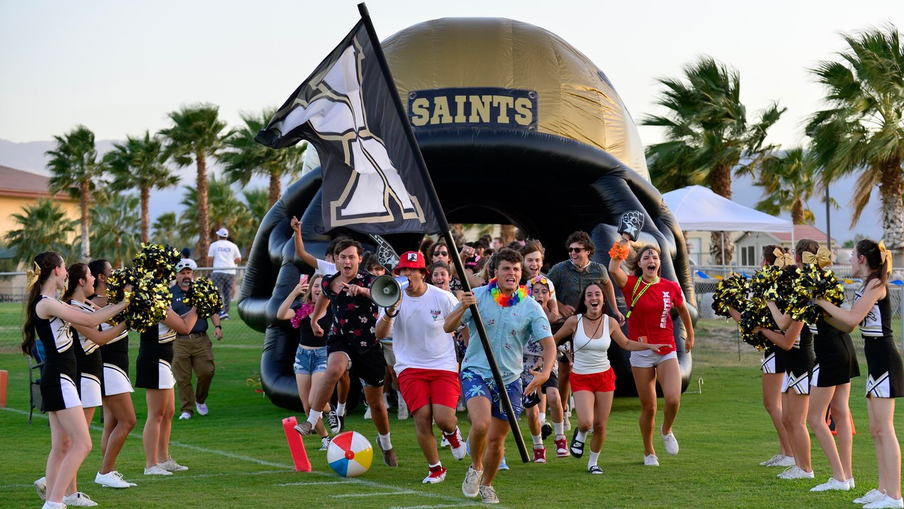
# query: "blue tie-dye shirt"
508,330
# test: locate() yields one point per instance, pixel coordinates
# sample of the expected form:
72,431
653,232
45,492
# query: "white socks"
538,440
559,427
314,416
385,443
340,408
594,457
582,436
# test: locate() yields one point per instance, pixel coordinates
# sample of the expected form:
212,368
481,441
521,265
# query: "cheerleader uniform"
89,365
58,388
836,359
883,361
773,360
115,355
155,358
799,362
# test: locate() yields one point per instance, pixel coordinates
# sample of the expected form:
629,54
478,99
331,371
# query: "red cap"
410,260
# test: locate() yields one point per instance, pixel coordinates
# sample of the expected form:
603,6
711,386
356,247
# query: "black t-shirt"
354,318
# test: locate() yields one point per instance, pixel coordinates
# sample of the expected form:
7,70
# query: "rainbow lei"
504,301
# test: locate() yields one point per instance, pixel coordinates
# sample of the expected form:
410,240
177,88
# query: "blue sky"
120,67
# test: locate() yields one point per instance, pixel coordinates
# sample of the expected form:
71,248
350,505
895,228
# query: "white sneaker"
41,488
443,443
112,479
786,461
871,496
832,484
885,501
651,460
78,499
156,470
202,408
671,443
170,465
461,451
471,485
403,410
367,413
772,461
325,441
851,483
185,416
795,472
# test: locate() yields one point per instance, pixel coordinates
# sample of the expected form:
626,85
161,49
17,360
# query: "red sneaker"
437,474
539,454
456,443
561,447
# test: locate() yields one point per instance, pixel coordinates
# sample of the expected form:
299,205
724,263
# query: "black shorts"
836,359
886,369
368,364
551,383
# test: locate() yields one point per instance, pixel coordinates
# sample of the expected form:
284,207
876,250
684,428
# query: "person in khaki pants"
192,352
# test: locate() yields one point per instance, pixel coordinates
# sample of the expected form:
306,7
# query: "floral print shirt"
354,318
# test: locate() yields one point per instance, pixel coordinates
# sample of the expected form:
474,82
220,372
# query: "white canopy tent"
697,208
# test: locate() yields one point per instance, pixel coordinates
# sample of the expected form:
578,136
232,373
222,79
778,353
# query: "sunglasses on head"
441,253
575,249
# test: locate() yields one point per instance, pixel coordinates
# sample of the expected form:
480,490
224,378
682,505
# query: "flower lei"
501,299
306,309
619,252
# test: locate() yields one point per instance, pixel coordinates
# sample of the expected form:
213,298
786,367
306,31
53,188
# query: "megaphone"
386,290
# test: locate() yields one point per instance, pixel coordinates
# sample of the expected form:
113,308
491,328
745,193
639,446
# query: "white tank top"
590,354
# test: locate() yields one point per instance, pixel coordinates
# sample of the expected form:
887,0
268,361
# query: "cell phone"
303,279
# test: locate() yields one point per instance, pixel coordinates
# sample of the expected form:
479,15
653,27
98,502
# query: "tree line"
708,140
112,223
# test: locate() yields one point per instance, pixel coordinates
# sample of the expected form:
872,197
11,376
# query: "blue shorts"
473,385
310,360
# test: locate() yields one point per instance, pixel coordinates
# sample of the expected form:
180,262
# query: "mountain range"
29,156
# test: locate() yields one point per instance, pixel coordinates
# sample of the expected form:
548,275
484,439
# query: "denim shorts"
310,360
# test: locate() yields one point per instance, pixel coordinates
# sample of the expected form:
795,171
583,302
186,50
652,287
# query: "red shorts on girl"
594,382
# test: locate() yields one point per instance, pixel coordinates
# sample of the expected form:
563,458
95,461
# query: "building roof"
22,184
802,231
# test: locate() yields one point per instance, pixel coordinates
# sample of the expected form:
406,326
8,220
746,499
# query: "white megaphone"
386,290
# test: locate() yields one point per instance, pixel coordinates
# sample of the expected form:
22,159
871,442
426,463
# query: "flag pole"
433,197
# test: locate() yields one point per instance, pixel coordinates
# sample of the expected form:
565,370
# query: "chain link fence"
707,278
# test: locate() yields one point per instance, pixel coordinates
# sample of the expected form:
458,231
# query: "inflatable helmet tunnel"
517,127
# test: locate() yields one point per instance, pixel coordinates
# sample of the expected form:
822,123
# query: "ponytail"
44,264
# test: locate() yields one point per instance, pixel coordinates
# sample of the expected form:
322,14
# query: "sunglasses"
575,249
441,253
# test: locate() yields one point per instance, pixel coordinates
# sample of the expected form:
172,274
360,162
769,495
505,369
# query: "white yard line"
458,501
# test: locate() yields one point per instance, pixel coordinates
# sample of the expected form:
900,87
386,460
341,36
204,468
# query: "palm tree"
166,230
247,157
863,128
74,166
789,179
116,234
43,226
139,164
196,135
226,210
707,134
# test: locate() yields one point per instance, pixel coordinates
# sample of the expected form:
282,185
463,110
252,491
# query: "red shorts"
425,386
593,382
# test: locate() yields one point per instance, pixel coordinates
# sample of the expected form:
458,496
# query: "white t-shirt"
417,335
224,254
326,268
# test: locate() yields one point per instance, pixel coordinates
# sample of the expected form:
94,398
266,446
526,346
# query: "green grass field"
238,456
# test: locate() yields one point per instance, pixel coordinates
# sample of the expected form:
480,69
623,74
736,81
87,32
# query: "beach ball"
350,454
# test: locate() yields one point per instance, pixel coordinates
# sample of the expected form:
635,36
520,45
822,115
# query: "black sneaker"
342,424
333,420
577,447
546,430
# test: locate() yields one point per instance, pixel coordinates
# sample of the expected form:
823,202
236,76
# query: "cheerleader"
50,320
154,372
872,310
119,413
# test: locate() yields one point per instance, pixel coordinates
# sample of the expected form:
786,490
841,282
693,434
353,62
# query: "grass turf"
238,456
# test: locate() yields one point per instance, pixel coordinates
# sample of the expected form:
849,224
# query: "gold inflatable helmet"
478,62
